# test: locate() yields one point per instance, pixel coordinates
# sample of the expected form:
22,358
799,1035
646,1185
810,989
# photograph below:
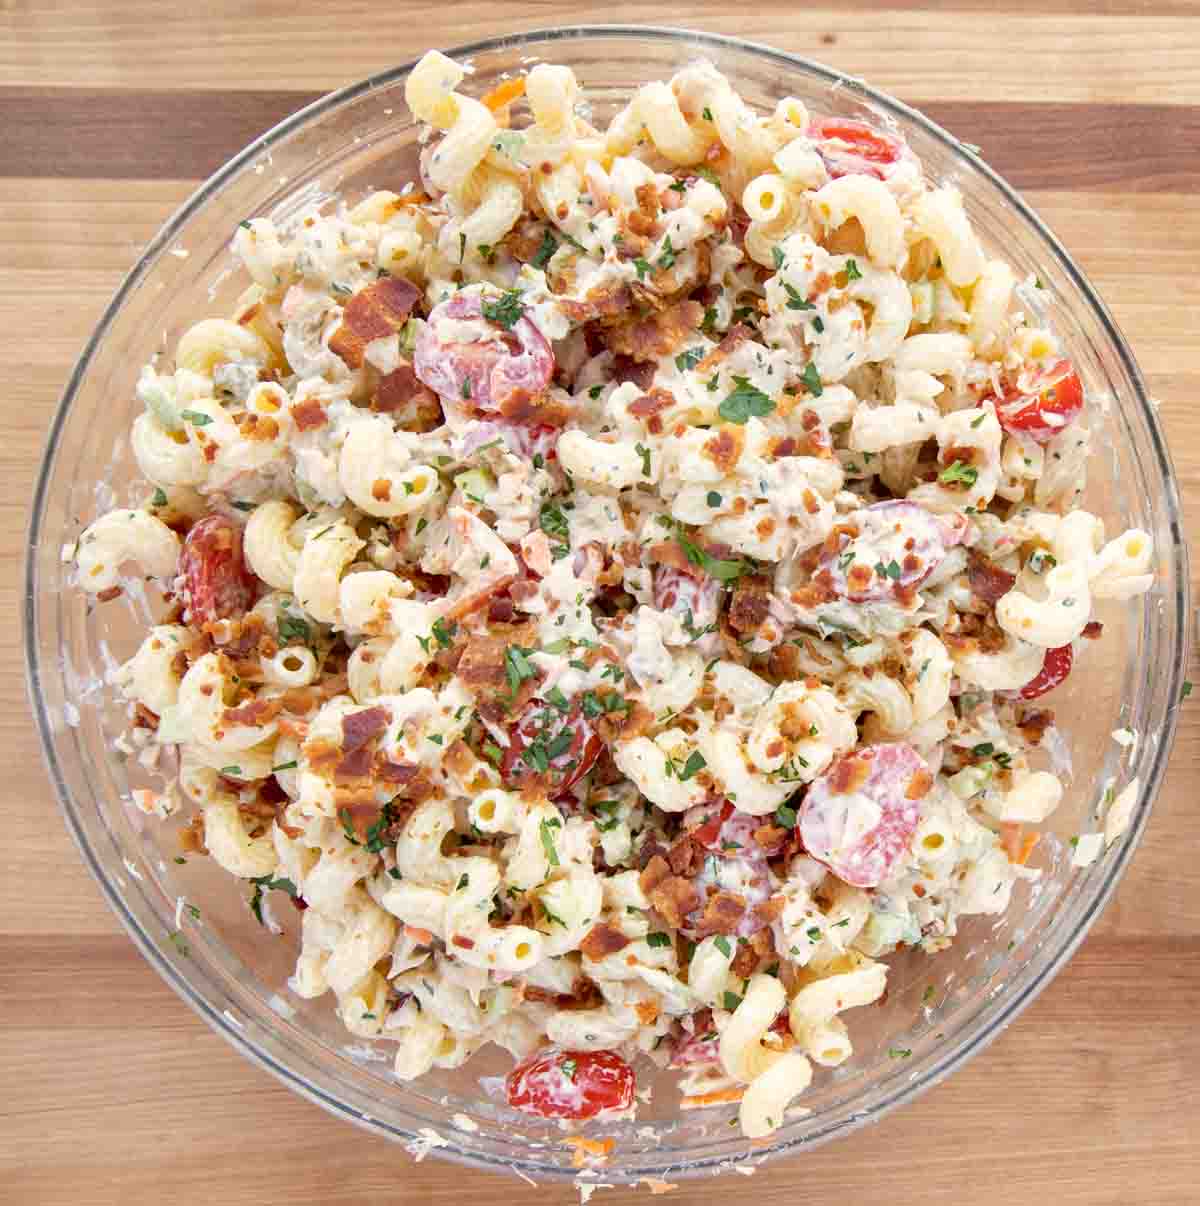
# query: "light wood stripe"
1022,54
117,134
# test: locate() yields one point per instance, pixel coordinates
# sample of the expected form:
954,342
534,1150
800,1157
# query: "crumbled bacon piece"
685,857
379,310
1033,725
1092,630
722,912
354,764
309,415
191,836
533,410
671,895
724,447
604,301
653,403
396,772
657,335
402,394
144,718
750,604
987,580
732,340
626,369
109,594
772,908
482,662
603,940
359,727
256,712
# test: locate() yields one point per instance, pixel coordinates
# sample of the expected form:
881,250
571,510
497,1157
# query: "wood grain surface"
111,1091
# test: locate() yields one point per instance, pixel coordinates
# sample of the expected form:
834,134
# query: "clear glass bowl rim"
1018,993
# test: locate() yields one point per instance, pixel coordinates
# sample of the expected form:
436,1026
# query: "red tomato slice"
701,1045
545,741
481,377
1053,402
859,816
1056,665
216,583
849,146
571,1084
899,544
678,593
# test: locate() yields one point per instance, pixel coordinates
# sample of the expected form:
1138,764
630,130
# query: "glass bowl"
942,1009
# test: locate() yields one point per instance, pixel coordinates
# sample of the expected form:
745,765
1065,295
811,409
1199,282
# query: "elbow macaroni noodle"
622,635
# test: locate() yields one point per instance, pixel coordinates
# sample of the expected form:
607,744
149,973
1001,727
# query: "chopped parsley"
713,498
785,815
795,300
722,944
715,567
731,1001
1187,690
159,499
507,310
658,939
553,522
812,380
292,628
545,830
959,472
667,258
444,633
644,453
777,256
695,762
545,251
195,418
268,883
643,268
688,360
285,766
899,1052
852,272
891,570
745,400
517,666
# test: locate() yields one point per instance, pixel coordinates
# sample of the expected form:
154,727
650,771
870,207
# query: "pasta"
621,635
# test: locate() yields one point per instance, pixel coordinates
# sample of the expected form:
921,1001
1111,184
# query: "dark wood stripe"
117,134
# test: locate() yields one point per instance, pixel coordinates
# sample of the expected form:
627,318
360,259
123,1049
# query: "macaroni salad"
612,585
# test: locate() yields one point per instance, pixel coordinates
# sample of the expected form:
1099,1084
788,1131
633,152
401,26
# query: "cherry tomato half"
571,1084
849,146
1053,401
545,741
879,784
216,583
1056,665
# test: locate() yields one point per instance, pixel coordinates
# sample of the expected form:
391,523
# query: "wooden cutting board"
111,1091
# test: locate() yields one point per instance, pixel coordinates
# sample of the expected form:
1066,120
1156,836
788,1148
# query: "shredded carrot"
716,1097
597,1149
1011,833
504,93
1031,840
419,936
